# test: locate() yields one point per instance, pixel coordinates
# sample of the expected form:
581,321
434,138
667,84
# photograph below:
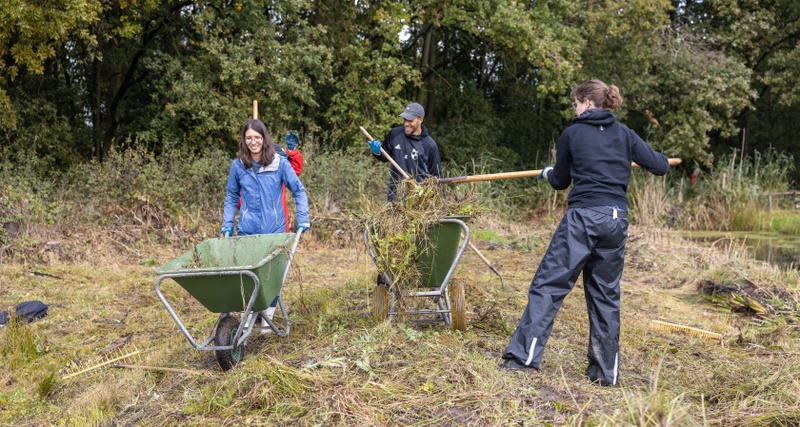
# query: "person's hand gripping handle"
385,154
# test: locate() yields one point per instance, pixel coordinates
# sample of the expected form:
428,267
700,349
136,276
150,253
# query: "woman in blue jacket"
258,175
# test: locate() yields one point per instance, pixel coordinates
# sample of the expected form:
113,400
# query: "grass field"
338,367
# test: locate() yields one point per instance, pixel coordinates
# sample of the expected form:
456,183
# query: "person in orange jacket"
295,157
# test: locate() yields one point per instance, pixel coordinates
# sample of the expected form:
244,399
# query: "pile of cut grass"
399,231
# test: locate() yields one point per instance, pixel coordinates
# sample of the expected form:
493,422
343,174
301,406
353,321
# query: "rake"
672,327
99,363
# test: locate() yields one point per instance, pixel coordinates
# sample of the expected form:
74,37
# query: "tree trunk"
430,112
94,94
426,54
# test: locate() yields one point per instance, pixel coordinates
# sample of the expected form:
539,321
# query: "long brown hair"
267,150
602,95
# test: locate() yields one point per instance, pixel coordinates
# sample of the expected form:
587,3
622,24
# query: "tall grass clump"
649,199
730,196
175,189
786,224
17,344
654,409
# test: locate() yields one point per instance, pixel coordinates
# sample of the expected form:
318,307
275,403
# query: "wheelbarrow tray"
263,255
437,258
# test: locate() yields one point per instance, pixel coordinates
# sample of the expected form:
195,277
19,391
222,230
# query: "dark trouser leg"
555,277
601,277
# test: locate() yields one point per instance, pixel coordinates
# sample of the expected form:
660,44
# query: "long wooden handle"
385,154
519,174
255,110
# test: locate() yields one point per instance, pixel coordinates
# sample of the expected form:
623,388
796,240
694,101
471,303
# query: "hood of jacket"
595,117
276,161
422,135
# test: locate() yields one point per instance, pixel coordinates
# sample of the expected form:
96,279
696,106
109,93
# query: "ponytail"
602,95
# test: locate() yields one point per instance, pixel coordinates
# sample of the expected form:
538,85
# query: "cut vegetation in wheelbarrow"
416,243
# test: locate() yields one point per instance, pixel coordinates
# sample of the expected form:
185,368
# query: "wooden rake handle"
385,154
519,174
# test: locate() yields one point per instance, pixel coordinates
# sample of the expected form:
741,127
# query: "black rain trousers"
589,240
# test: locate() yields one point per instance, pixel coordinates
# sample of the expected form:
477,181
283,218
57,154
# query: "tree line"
79,78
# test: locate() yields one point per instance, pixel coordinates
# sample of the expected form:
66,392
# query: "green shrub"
26,194
335,180
135,187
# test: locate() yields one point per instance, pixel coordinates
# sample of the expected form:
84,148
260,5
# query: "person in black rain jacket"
594,154
411,148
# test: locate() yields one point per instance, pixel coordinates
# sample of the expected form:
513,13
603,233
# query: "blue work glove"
227,232
544,172
302,227
292,139
375,146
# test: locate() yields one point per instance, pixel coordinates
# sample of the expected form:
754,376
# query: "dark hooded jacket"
418,155
595,155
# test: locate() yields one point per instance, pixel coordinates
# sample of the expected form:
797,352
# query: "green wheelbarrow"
229,276
437,262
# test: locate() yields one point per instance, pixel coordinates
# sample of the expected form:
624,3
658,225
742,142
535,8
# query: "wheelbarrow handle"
291,254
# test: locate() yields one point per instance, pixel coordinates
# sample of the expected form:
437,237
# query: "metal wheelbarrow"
233,275
437,261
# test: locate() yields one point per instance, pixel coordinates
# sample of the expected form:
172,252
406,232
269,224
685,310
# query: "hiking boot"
595,375
600,382
514,365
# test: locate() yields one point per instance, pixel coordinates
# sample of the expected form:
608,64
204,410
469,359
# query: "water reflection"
777,249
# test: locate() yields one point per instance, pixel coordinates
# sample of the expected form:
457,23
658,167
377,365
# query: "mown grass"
337,367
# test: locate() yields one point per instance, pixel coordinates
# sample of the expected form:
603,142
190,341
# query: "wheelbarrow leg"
285,314
444,304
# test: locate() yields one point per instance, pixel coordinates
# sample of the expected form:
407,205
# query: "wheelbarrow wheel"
226,332
380,303
458,306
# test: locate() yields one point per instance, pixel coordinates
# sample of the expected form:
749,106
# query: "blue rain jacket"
262,211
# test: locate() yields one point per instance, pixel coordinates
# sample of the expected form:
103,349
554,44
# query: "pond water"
777,249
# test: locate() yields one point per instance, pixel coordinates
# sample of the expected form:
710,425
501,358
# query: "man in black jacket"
411,148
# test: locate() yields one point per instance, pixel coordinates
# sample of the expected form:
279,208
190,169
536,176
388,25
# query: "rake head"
104,361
